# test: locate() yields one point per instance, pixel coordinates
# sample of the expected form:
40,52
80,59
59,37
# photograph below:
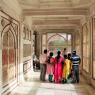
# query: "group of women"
59,67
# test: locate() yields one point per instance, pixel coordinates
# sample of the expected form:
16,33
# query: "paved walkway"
32,86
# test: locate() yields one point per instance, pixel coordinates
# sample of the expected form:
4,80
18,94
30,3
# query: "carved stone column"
21,50
73,40
0,58
81,48
37,44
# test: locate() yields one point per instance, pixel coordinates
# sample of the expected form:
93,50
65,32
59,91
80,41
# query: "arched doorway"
59,41
9,66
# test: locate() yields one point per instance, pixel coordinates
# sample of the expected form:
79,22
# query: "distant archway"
57,41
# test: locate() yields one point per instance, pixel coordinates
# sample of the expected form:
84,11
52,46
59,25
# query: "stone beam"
57,31
54,22
65,11
68,26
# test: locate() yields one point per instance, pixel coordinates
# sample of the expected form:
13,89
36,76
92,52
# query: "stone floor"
33,86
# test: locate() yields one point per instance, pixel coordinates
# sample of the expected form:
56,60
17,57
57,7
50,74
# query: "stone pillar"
91,50
37,44
20,68
31,42
73,40
81,48
0,58
40,41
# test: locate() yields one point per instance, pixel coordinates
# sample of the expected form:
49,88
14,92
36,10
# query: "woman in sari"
58,68
65,72
69,66
66,68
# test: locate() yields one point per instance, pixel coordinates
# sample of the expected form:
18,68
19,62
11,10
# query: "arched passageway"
27,27
33,85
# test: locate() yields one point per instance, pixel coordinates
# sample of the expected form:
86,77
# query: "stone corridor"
27,27
33,86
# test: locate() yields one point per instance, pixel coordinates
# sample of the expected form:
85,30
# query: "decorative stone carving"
24,32
26,50
3,22
15,27
9,37
85,48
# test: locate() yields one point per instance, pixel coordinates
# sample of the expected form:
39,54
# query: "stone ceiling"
56,14
55,3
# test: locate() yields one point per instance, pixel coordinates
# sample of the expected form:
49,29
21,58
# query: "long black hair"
58,56
49,57
69,56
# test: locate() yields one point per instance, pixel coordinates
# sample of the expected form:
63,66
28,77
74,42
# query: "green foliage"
57,43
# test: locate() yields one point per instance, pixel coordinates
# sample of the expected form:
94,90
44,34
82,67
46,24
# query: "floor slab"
33,86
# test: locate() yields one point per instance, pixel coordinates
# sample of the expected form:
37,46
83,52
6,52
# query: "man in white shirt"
43,61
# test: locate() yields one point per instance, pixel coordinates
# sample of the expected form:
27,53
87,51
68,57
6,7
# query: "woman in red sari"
58,68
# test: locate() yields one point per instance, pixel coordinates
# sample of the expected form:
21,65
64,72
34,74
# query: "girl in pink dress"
50,67
58,68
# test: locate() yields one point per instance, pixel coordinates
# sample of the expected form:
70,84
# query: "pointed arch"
56,35
6,29
8,53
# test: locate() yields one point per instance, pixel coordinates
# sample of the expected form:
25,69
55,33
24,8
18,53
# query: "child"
64,74
50,67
